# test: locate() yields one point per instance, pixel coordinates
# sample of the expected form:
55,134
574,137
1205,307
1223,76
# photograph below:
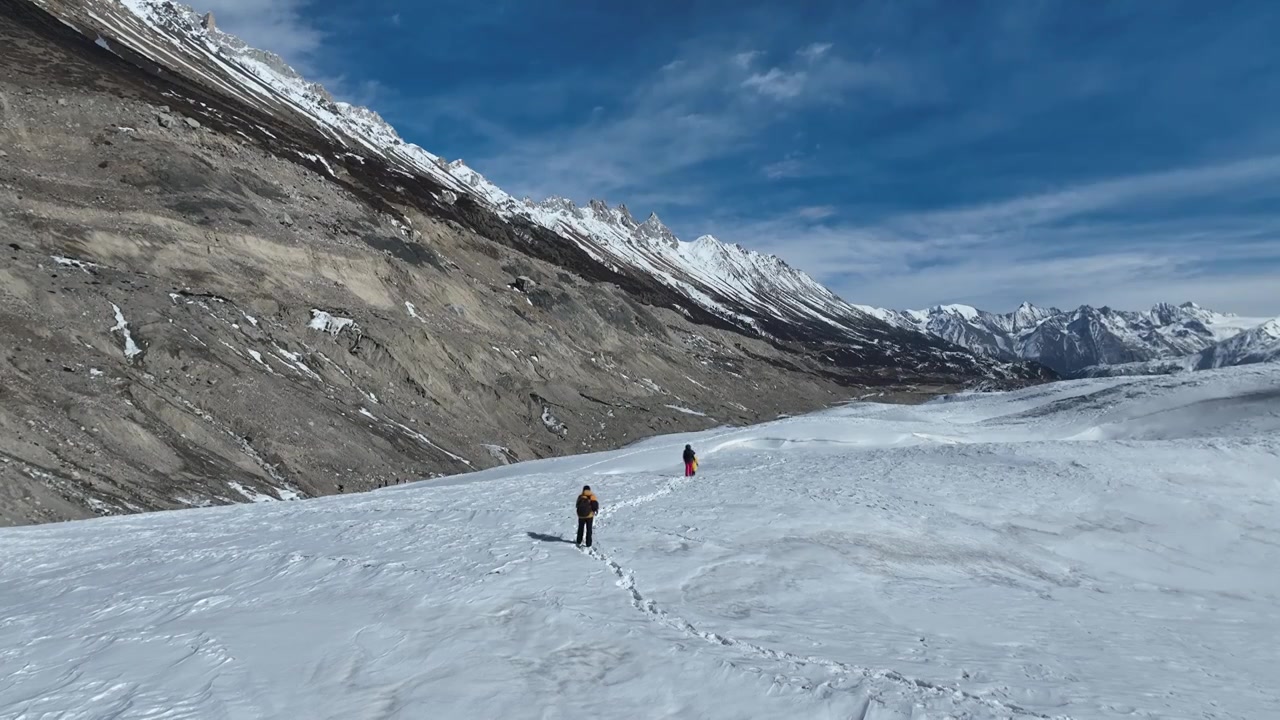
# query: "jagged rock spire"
625,215
600,209
561,204
653,229
208,22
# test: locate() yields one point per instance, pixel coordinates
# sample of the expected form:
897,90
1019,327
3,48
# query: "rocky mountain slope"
1071,341
706,280
218,285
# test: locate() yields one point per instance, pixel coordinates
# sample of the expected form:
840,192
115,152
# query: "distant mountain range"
1087,340
1256,345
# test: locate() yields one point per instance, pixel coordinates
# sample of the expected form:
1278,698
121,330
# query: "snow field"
1096,549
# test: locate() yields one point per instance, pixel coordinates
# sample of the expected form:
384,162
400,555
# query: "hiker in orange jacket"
588,506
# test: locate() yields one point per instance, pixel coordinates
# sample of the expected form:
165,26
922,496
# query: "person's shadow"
548,538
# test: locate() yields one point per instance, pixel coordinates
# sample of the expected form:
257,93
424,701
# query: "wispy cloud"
365,93
1073,245
777,83
815,75
285,28
1168,186
815,51
279,26
691,110
789,167
816,212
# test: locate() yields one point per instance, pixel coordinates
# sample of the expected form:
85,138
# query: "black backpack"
584,506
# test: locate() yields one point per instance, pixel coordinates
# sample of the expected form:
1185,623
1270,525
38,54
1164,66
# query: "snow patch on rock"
329,323
131,349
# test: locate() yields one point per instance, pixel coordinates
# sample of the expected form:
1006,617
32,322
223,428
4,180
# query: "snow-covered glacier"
1094,549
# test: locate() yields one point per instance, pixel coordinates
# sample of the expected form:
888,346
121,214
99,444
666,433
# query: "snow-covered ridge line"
255,77
1080,340
696,269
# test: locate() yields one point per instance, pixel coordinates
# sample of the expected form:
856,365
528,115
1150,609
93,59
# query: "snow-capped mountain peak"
1168,313
653,229
1028,316
559,204
619,217
624,216
964,311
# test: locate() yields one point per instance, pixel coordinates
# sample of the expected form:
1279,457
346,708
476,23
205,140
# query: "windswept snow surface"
1097,549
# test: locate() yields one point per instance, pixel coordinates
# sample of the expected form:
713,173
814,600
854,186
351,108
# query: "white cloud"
283,27
814,51
816,212
777,83
1064,248
364,93
1122,280
786,168
822,78
280,26
1161,186
691,110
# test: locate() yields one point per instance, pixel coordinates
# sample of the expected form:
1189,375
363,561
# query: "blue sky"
904,153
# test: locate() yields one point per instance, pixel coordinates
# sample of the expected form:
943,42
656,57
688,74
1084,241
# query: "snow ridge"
721,277
175,35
